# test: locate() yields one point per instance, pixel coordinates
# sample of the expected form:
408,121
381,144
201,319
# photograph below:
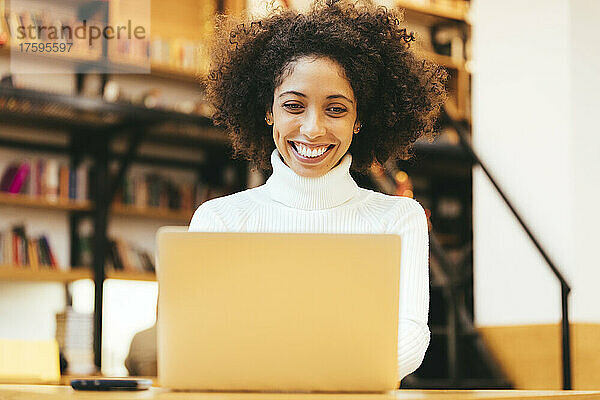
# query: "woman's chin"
309,170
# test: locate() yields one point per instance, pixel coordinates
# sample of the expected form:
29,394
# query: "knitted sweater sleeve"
413,332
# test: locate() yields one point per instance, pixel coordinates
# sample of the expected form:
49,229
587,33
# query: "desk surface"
51,392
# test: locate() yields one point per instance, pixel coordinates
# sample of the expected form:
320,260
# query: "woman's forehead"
312,76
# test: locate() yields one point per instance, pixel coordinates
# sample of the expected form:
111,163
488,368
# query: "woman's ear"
269,118
357,126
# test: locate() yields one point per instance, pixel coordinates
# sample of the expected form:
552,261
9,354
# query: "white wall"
585,109
525,88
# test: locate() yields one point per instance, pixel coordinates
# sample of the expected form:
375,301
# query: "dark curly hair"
398,96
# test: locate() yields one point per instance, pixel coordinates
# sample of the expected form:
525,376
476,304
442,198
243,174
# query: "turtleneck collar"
327,191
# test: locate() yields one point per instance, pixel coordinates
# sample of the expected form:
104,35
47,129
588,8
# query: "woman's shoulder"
212,214
395,206
233,199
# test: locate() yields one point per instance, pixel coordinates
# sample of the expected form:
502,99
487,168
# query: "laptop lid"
277,312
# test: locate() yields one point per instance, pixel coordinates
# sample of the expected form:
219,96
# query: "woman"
311,95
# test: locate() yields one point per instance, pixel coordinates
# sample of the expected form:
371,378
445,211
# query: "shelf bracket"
134,143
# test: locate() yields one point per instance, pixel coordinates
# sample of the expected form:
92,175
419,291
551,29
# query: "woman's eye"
338,110
292,106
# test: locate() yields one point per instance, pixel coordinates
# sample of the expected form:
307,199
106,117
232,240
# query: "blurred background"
104,141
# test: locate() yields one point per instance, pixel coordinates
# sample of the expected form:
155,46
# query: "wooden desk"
53,392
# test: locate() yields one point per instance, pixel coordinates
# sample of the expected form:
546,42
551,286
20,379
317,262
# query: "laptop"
282,312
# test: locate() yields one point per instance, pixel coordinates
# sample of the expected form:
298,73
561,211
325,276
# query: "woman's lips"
310,160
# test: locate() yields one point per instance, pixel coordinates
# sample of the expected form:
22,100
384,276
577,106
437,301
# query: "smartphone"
111,384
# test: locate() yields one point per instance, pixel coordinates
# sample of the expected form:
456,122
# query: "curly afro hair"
399,97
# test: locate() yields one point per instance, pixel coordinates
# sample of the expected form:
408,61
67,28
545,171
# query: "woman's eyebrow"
293,92
333,96
339,96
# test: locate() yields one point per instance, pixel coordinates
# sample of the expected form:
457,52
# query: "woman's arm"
413,332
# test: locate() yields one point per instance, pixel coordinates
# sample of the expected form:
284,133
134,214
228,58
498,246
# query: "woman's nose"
313,125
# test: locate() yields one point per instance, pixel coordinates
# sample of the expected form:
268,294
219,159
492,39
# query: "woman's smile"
310,153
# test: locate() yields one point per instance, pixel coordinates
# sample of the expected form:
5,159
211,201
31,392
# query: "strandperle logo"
81,31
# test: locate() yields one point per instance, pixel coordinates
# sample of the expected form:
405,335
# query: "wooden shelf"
43,274
445,61
90,61
156,69
66,57
23,200
93,116
435,10
174,73
152,213
131,276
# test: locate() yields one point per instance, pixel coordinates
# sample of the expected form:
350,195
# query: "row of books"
42,27
177,53
46,177
122,255
126,256
16,248
154,190
53,180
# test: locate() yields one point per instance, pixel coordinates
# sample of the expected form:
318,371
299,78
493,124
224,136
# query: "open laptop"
277,311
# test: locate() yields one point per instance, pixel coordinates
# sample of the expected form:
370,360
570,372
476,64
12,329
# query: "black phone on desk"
111,384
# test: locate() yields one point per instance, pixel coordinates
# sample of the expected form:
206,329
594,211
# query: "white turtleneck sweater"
333,203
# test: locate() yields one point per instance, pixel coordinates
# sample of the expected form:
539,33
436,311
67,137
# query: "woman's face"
313,116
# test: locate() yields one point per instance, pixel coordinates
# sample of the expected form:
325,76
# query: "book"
50,258
6,256
32,253
50,181
125,256
18,249
20,246
20,178
47,178
72,184
82,179
8,176
63,179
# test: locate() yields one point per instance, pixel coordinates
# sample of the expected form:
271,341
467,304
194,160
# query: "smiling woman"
397,96
313,123
310,95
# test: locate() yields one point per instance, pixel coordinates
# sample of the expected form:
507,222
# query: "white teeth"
306,152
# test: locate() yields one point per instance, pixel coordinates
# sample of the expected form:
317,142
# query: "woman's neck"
327,191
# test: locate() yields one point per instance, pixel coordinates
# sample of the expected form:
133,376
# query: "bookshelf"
441,180
168,215
449,20
26,274
420,10
22,200
130,276
90,124
168,72
93,121
156,70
